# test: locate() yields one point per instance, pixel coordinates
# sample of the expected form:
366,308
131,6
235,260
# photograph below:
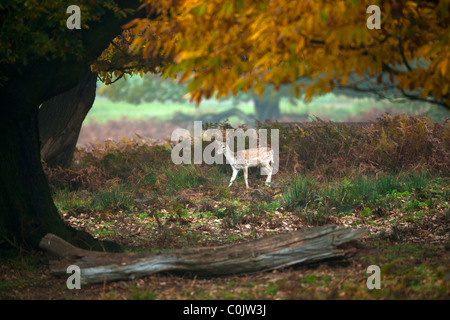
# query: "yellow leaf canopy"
225,46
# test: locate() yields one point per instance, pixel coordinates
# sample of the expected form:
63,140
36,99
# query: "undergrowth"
391,144
391,178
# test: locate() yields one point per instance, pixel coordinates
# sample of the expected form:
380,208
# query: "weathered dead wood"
294,248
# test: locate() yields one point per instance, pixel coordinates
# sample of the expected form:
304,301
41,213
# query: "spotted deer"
243,159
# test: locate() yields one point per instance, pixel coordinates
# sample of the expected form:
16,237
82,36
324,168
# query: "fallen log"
268,253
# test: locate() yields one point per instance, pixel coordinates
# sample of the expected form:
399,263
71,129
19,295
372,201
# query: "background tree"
267,105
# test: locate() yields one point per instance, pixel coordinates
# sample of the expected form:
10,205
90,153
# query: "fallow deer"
243,159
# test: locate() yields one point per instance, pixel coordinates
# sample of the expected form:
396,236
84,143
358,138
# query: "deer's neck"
229,155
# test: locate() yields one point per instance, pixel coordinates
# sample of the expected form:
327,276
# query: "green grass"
69,201
300,191
142,294
328,106
114,198
344,194
104,110
406,271
184,177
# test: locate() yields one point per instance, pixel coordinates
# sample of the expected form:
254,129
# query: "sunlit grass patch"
114,198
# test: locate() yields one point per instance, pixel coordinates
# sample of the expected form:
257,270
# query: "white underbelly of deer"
244,159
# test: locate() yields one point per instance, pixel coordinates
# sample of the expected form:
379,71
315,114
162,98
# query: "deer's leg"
269,174
245,176
233,177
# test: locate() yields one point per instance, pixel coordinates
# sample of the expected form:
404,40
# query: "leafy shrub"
401,142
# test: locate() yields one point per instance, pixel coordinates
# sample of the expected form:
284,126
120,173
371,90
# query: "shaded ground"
130,192
414,259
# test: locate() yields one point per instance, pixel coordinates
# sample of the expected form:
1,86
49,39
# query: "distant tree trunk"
60,120
267,107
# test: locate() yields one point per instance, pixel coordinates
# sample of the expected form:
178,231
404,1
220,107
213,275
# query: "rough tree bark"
289,249
60,120
27,211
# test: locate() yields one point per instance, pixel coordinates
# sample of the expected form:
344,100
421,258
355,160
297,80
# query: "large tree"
41,58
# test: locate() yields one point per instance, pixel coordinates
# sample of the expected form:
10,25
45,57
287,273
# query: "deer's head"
221,147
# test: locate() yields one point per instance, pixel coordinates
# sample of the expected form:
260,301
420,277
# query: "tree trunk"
289,249
25,201
27,212
267,108
60,120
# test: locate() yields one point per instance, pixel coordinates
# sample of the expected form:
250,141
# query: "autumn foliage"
247,44
390,144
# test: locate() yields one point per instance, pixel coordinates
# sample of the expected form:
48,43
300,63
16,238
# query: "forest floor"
127,193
